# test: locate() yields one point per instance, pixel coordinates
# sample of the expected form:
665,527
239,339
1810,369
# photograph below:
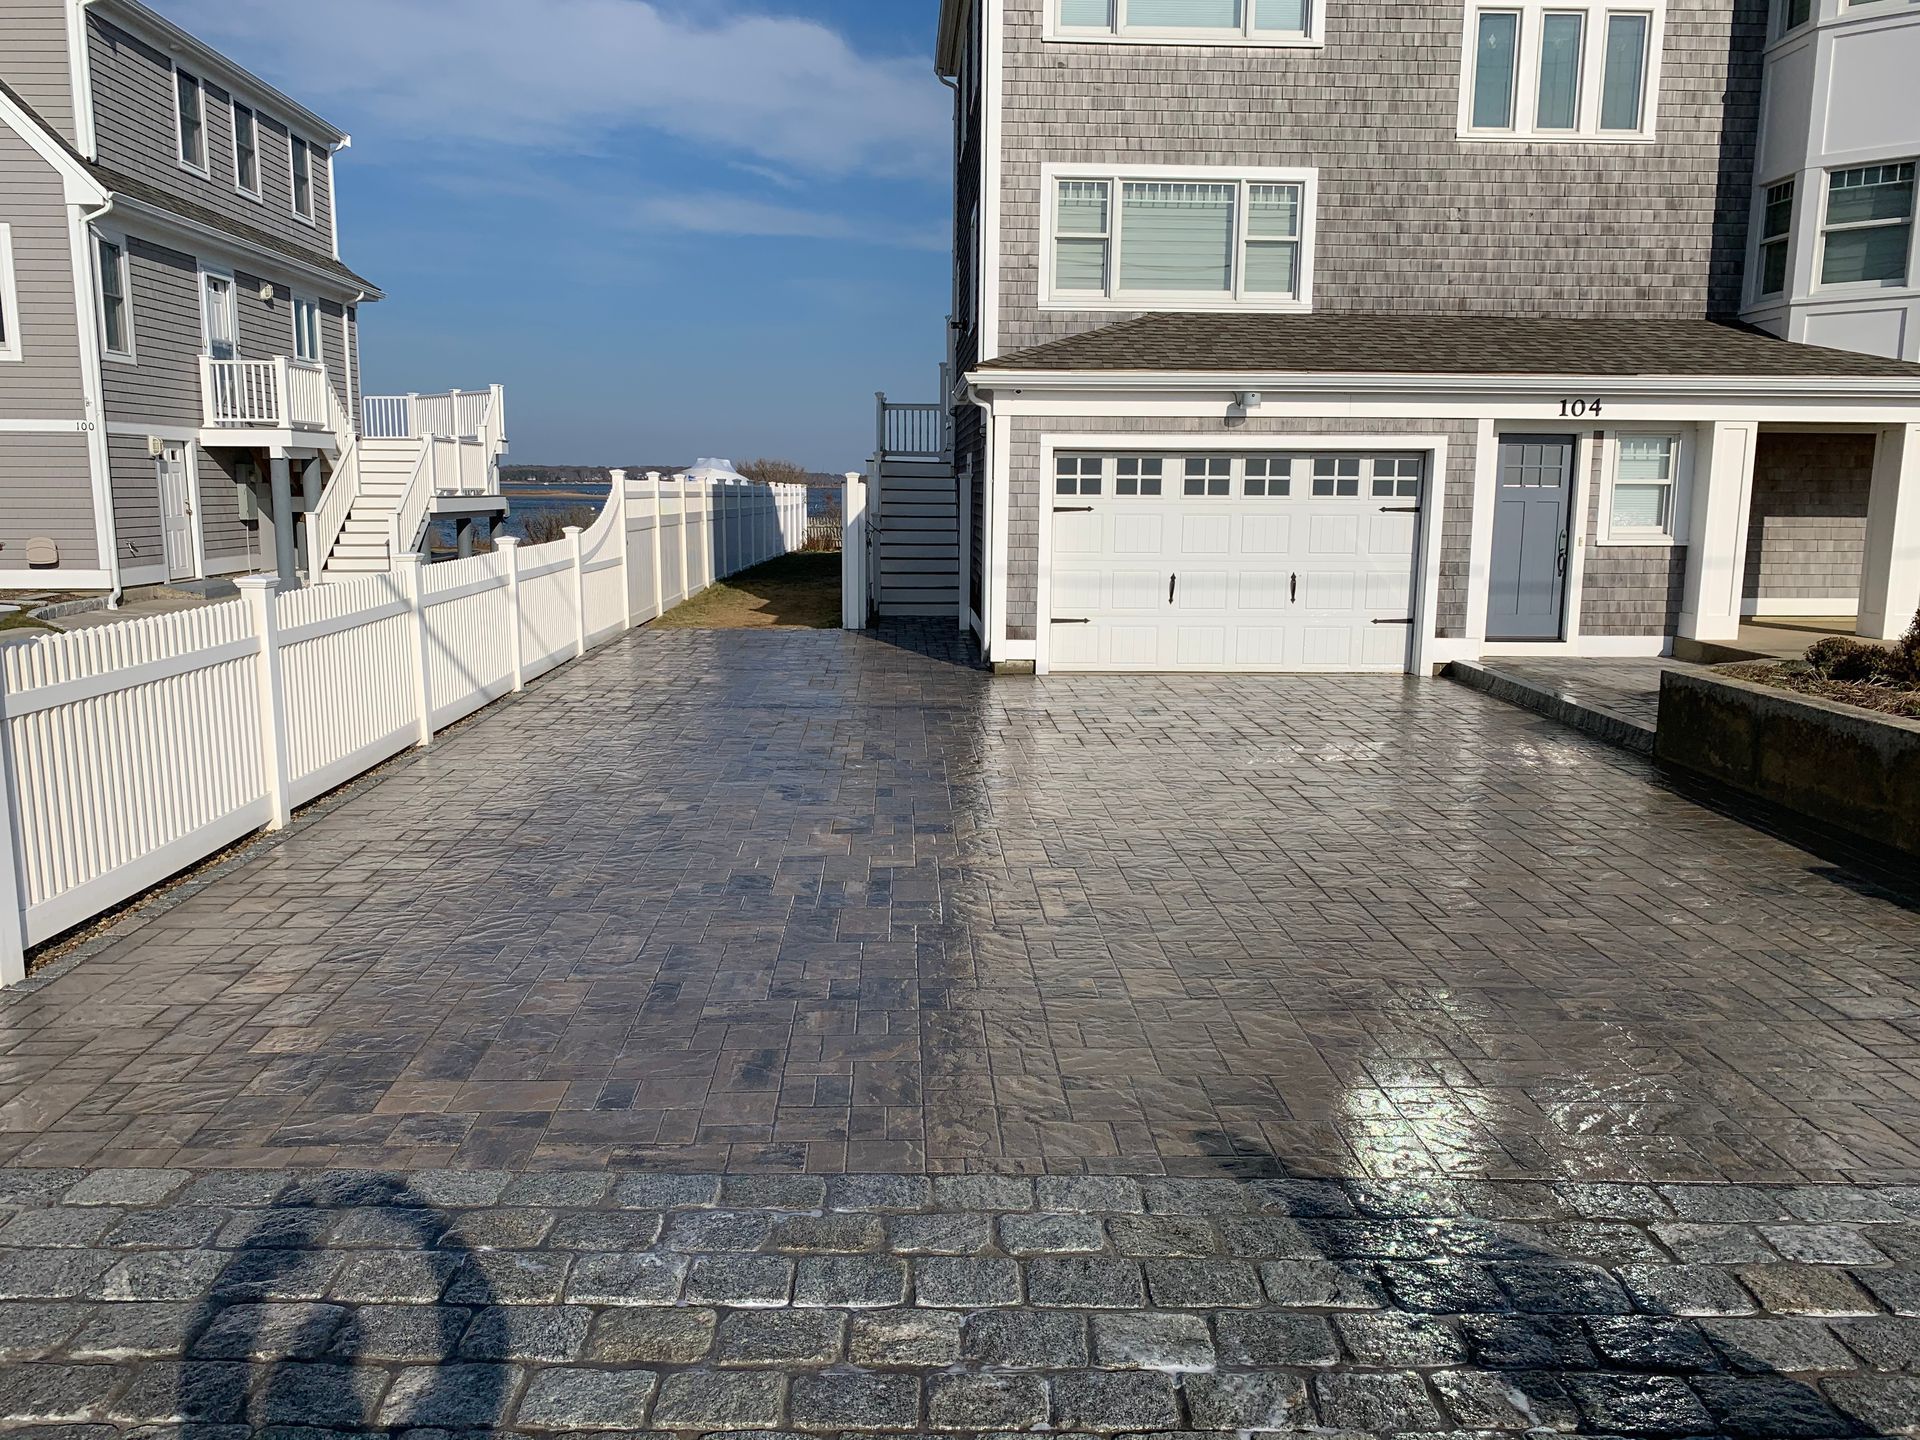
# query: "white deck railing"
130,752
277,394
462,414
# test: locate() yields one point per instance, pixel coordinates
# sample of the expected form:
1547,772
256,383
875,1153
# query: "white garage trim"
1426,586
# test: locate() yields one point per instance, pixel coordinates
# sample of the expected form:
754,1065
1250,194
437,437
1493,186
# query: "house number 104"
1578,409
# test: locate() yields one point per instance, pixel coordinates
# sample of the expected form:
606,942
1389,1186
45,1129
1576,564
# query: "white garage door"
1290,561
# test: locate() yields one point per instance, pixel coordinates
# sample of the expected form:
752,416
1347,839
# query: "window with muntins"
246,151
1216,22
1078,475
1152,242
116,333
192,117
1776,238
302,179
1580,70
1868,235
1643,508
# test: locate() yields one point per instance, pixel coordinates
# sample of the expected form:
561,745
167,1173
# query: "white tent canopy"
713,468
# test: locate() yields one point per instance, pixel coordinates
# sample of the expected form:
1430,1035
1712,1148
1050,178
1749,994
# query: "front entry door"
1532,525
176,513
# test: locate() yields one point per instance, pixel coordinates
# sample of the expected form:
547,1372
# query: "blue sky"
670,227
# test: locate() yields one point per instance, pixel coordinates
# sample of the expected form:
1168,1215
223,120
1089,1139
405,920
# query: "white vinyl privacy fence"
130,752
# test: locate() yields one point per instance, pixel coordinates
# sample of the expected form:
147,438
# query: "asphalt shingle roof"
1386,344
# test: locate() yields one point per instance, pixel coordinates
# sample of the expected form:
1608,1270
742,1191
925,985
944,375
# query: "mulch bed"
1794,676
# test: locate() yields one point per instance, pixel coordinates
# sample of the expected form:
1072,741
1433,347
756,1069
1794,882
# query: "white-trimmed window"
246,151
116,304
1197,22
1643,504
302,168
1139,475
1868,235
191,111
1155,238
1208,476
1776,238
1790,15
1397,477
306,329
1078,474
9,299
1269,476
1336,476
1561,69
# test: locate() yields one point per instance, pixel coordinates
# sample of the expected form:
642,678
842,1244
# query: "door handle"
1293,590
1173,585
1560,559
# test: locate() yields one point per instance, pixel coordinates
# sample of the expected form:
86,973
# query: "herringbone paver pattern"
819,902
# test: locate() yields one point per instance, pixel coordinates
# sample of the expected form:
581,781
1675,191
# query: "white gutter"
93,389
1309,382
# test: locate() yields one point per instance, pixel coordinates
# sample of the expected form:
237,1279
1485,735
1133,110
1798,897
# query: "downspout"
94,370
985,597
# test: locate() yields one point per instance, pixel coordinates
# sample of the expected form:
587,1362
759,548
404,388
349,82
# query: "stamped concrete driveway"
816,902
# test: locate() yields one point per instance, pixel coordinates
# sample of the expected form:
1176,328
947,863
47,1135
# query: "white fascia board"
228,246
81,188
202,57
1293,384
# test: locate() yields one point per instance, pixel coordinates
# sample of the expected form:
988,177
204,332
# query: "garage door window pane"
1077,475
1138,477
1176,238
1269,477
1209,477
1399,478
1336,476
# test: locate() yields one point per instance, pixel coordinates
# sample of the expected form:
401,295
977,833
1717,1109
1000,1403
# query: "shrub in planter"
1851,662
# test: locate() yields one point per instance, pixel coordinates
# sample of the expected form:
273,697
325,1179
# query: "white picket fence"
130,752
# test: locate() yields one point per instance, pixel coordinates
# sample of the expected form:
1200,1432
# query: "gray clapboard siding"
46,489
333,349
137,130
352,390
1029,489
162,387
33,59
228,537
136,501
1411,218
45,383
266,326
1631,590
916,542
1808,535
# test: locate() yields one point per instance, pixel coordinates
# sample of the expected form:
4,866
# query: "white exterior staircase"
416,456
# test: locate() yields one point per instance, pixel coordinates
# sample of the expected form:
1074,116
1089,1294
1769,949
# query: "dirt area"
795,592
1798,677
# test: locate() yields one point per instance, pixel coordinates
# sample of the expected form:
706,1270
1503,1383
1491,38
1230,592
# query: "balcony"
264,399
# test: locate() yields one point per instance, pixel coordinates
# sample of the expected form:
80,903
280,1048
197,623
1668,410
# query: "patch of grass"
23,621
795,592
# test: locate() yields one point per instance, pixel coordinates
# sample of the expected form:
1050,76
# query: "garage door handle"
1394,622
1399,509
1073,509
1293,591
1073,622
1173,584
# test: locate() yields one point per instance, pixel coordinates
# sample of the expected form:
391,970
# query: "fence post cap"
654,476
856,474
619,477
412,560
507,542
269,583
571,530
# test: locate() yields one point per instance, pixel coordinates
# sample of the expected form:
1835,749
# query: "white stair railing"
325,525
409,520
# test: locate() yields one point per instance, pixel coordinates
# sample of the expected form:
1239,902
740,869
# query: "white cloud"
575,75
721,214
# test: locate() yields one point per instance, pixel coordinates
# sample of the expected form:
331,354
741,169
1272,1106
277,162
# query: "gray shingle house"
1366,335
179,336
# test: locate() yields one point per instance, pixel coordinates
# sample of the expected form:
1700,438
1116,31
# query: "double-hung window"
1776,238
116,322
306,329
1165,240
1868,235
9,299
1561,70
1191,22
302,164
191,108
246,151
1643,503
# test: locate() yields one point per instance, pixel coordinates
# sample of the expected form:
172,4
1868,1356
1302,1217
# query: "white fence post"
260,592
572,532
411,570
13,898
686,571
618,499
659,585
509,546
853,552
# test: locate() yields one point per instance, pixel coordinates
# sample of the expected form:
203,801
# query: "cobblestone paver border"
236,1302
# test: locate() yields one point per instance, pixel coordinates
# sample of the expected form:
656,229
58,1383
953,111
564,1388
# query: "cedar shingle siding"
1807,540
1411,218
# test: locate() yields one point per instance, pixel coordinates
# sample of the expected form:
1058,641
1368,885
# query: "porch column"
281,470
1890,579
310,486
1717,533
463,537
